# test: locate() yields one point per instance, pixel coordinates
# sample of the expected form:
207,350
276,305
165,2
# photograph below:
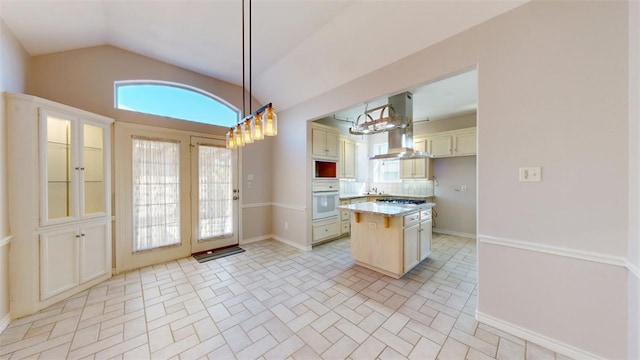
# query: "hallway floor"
275,302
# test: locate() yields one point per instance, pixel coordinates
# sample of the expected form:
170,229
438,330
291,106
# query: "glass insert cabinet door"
72,166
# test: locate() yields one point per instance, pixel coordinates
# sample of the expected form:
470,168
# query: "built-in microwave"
325,169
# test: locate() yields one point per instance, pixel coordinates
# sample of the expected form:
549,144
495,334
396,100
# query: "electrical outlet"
373,224
530,174
464,188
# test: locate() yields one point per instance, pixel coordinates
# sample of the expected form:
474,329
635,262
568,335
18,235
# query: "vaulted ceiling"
300,48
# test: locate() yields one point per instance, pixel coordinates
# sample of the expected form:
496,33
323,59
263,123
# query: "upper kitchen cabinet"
325,141
417,168
347,158
460,142
60,198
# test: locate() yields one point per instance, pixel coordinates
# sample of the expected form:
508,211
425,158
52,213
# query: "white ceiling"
301,48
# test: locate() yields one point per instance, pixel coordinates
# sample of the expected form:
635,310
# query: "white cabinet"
417,168
425,234
325,229
60,195
347,158
411,246
460,142
324,142
72,167
71,256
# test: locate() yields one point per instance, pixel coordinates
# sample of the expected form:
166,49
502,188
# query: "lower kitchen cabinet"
325,229
73,255
411,246
425,234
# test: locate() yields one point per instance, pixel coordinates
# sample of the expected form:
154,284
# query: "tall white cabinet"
60,199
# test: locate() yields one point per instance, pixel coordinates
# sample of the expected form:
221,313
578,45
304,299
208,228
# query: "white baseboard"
5,322
255,239
291,243
535,337
454,233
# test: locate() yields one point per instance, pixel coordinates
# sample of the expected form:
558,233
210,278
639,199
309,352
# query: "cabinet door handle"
83,235
77,235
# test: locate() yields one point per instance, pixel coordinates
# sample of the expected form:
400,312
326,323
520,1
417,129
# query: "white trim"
6,240
292,207
5,321
291,243
555,250
633,268
255,239
256,205
529,335
454,233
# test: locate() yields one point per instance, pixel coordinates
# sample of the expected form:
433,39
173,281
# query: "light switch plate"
530,174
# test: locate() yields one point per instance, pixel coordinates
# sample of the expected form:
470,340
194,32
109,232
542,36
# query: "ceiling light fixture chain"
252,127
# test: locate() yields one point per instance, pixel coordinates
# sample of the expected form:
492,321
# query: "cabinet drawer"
411,219
325,231
425,214
345,228
344,215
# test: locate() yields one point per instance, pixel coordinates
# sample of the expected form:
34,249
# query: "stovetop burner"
402,201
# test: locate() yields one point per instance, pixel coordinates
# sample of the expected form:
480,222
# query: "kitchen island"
390,238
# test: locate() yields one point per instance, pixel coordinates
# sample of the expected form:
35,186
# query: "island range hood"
398,124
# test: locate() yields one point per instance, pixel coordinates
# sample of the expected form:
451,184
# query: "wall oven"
326,199
325,169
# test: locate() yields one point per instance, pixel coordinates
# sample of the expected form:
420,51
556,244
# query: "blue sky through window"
175,102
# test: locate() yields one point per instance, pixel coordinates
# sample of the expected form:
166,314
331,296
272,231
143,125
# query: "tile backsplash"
409,187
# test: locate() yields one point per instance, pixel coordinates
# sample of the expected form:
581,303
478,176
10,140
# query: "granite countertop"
353,196
384,209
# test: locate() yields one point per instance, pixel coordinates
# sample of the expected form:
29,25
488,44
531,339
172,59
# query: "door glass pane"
215,193
93,167
58,168
156,193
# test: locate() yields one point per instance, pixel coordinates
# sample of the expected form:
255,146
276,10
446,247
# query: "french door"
214,195
174,195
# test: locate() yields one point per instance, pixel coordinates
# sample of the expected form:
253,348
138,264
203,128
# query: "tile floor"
275,302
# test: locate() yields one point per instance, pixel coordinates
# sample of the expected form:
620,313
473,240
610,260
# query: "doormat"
217,254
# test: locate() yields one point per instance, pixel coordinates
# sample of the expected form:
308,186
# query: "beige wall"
634,180
13,71
456,209
85,78
423,128
549,74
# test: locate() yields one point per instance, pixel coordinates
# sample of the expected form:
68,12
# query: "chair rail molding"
6,240
556,250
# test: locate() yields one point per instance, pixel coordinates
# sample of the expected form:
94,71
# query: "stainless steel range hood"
401,138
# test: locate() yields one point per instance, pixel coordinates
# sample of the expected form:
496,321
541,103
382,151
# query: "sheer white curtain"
156,193
215,192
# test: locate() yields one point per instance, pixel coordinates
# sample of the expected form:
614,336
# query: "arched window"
175,101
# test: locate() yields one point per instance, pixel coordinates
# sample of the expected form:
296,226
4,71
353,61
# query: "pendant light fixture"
252,127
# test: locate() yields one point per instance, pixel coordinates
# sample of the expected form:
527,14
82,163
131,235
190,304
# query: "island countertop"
377,208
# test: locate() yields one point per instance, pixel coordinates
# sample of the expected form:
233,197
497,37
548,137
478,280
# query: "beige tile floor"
275,302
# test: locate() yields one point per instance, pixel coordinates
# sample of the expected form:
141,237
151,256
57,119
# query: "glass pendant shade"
271,122
257,126
231,142
238,136
247,135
